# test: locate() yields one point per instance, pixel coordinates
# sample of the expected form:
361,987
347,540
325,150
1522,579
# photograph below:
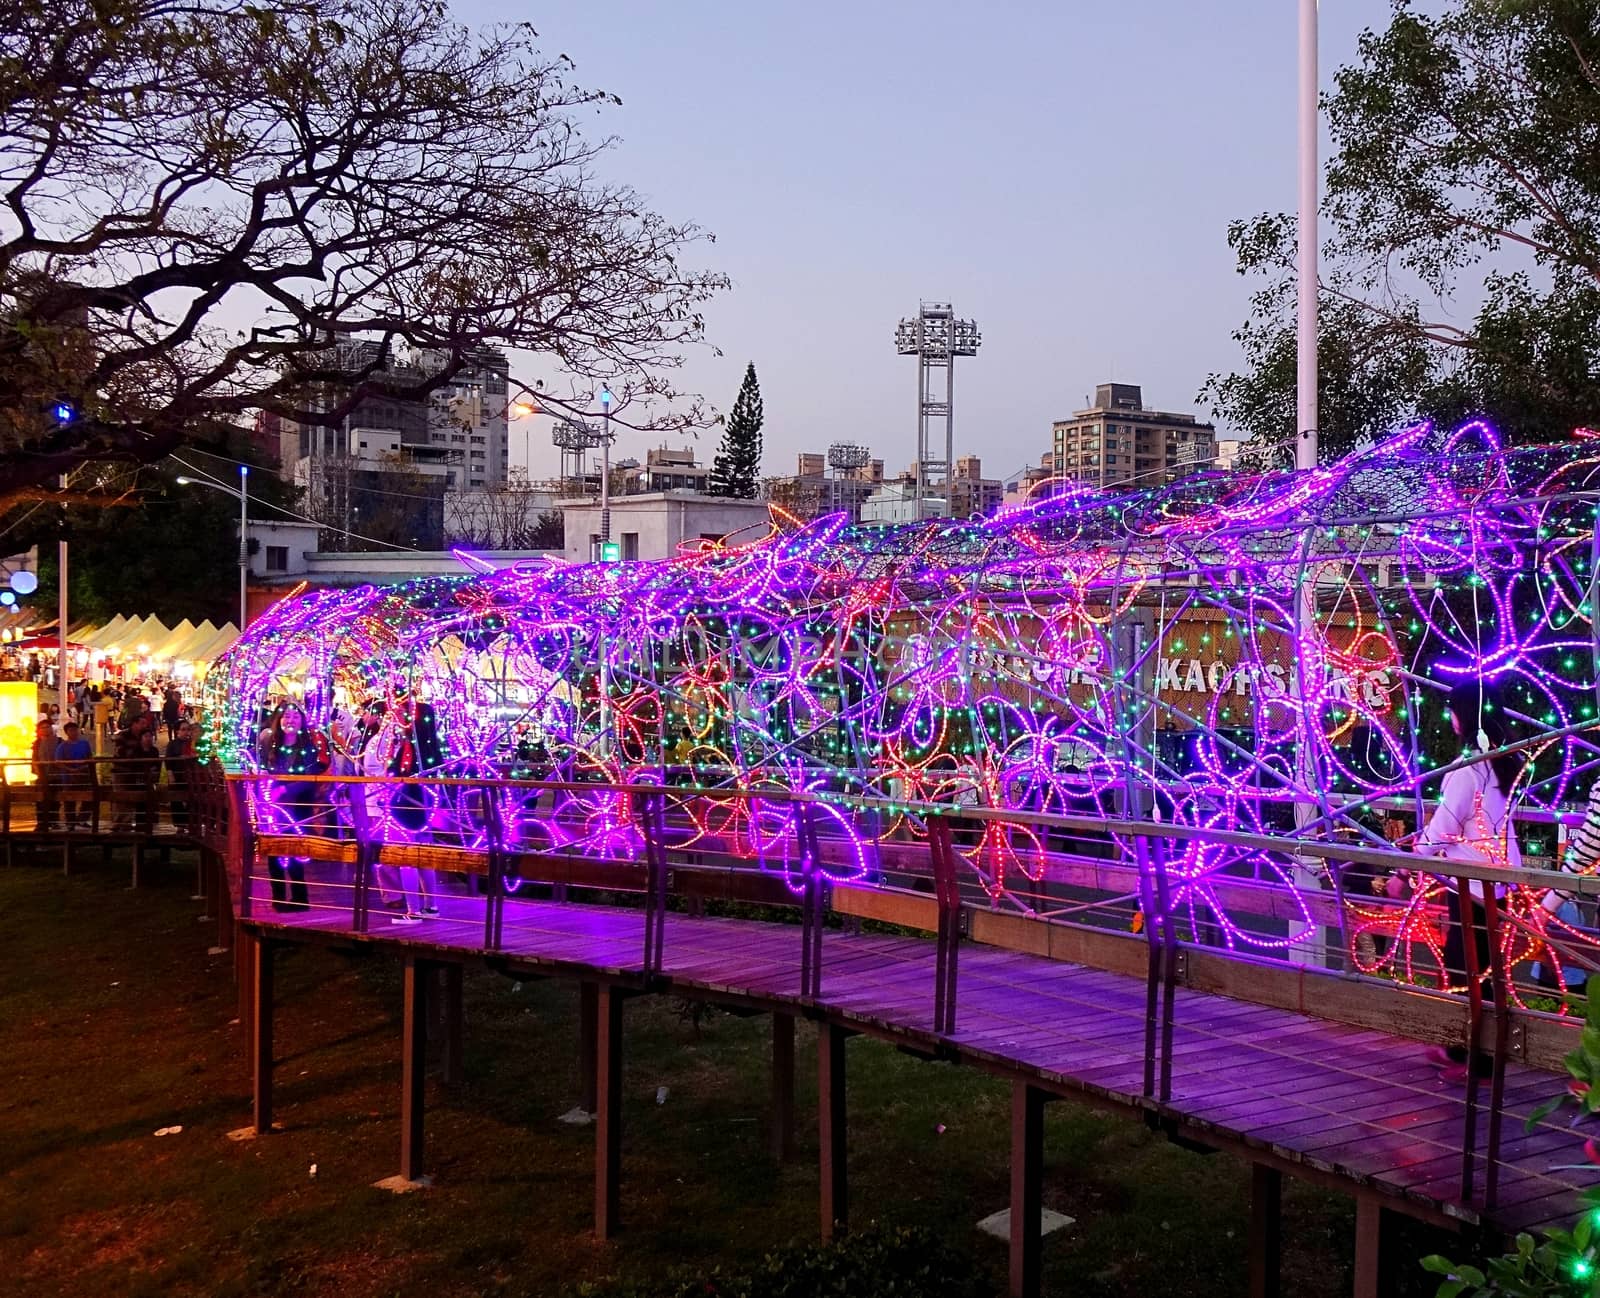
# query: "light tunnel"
1259,653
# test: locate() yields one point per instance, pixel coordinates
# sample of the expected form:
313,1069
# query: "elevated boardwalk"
1299,1071
1318,1099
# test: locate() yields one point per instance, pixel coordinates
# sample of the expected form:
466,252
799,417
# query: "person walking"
171,711
132,706
147,774
100,702
75,765
45,774
181,770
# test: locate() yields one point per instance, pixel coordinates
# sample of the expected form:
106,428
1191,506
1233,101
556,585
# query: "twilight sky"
1062,172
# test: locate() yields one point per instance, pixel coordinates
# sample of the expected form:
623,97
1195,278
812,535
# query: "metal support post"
782,1140
261,977
947,895
1369,1278
608,1114
813,904
1266,1231
831,1129
413,1068
1027,1188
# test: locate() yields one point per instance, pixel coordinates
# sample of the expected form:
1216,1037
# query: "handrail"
473,834
1587,885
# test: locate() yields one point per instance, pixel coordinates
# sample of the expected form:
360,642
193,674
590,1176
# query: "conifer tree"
737,467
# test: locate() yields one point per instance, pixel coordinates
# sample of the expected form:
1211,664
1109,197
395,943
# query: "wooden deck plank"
1328,1094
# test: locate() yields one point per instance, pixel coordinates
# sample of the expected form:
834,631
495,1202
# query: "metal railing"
1183,906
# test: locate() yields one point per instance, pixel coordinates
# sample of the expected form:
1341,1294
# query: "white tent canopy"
105,635
174,640
149,638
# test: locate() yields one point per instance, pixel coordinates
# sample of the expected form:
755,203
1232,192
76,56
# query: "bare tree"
513,516
199,197
799,497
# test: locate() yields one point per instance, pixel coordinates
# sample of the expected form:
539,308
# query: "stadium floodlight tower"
574,439
846,457
935,337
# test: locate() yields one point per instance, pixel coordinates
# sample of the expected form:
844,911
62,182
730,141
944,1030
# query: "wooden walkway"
1357,1109
1297,1070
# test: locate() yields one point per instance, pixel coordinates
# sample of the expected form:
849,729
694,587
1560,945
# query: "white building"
656,524
896,502
468,415
291,545
280,549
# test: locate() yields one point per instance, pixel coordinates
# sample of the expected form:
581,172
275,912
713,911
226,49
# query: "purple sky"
1062,172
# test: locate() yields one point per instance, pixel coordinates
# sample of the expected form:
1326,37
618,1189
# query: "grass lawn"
114,1023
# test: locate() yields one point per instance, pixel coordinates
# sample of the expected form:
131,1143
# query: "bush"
876,1262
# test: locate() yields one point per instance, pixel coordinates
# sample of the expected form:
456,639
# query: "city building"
469,414
664,470
835,483
1117,442
896,501
388,450
970,492
656,524
1028,485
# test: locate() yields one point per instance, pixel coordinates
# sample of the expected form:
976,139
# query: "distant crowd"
148,735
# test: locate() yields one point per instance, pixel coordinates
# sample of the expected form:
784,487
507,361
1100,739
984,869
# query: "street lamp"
244,545
605,468
605,539
525,409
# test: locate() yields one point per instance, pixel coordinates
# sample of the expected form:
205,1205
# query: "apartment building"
1116,442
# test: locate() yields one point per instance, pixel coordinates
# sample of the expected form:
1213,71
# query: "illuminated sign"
19,710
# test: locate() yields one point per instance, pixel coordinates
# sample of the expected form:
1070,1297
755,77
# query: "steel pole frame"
61,612
1305,444
244,546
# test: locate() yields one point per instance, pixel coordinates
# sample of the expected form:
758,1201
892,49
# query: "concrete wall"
660,522
299,540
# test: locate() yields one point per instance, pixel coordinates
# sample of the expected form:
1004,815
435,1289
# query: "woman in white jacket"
1472,824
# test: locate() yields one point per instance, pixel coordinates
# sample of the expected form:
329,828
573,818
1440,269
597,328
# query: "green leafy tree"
736,471
167,548
1463,165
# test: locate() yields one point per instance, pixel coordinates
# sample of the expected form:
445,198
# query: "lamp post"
1305,871
1305,442
605,537
524,410
61,610
244,518
605,467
